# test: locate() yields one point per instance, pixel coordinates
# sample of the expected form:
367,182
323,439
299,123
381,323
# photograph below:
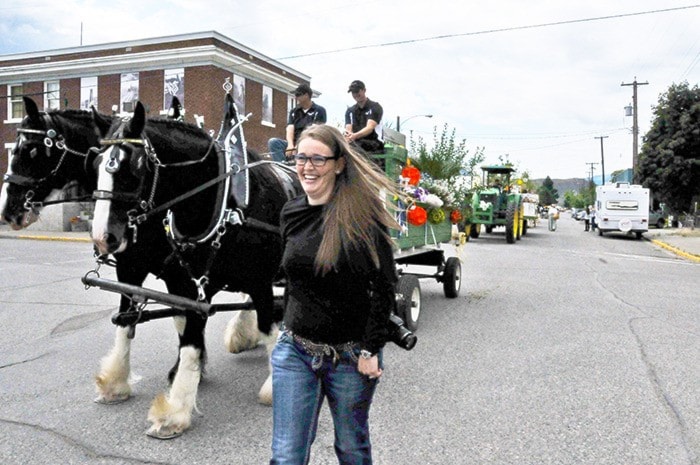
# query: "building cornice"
117,58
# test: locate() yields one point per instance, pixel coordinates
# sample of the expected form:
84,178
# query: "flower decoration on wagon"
417,216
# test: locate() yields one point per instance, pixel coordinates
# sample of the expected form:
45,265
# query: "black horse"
57,149
223,236
52,150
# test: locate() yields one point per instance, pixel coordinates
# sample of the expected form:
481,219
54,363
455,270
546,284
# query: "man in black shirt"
362,121
304,114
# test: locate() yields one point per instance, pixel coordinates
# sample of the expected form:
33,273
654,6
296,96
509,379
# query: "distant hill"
565,185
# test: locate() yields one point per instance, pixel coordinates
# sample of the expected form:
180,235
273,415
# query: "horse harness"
145,208
49,136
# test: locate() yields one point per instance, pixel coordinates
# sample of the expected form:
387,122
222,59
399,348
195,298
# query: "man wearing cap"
362,120
304,114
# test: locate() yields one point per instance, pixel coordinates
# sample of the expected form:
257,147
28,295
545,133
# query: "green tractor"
496,203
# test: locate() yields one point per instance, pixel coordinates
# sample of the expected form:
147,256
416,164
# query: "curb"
676,250
47,238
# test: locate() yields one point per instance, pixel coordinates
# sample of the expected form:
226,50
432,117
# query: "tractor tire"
519,221
511,218
452,277
474,231
409,306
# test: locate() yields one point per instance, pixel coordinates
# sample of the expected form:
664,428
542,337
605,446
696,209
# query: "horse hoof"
111,400
163,433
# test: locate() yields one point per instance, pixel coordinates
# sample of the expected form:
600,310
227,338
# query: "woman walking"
340,272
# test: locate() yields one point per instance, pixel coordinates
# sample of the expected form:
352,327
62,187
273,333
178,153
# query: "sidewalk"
682,242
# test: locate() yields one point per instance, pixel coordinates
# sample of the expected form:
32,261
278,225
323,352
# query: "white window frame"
14,100
52,95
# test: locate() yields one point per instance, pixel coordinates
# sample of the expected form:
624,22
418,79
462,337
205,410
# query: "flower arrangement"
432,193
75,220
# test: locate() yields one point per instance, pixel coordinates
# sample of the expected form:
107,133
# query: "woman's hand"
369,367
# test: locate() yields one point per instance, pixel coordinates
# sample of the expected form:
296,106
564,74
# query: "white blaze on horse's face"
18,219
105,237
3,194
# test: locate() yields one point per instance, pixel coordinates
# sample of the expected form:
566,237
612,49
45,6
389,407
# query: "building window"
88,92
291,103
173,86
239,93
129,92
52,95
267,104
15,105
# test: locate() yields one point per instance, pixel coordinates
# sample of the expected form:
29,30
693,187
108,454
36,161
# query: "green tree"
585,197
669,162
548,194
447,161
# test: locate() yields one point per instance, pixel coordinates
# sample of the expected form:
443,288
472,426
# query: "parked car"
657,218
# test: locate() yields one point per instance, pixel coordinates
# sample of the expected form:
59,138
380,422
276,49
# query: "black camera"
399,334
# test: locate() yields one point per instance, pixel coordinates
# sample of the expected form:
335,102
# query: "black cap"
303,89
356,86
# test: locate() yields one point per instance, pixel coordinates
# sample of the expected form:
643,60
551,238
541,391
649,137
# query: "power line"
488,31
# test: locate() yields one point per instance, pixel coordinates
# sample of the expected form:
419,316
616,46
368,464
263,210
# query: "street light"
398,120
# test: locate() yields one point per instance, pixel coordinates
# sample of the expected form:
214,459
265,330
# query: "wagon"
420,249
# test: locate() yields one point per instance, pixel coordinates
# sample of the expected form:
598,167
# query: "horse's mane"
172,124
74,114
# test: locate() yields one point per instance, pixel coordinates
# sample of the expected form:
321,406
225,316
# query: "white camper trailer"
622,207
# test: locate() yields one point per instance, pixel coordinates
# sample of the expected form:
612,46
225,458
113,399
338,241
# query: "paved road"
565,348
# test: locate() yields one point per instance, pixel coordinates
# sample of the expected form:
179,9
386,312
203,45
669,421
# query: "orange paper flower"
417,216
412,173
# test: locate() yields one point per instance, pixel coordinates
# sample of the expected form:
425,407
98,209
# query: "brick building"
112,76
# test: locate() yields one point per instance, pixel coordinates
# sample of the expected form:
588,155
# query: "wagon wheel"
525,226
489,229
474,231
409,306
452,277
510,223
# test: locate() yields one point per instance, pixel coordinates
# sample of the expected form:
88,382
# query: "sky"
537,83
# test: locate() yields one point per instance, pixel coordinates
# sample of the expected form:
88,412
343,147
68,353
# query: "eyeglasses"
316,160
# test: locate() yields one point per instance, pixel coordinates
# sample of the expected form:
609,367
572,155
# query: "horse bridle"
112,167
49,136
146,206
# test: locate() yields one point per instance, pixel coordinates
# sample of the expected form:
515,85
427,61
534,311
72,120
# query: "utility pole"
591,178
602,157
635,127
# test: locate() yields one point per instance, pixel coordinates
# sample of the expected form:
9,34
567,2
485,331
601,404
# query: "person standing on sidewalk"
592,217
306,113
340,275
586,218
553,216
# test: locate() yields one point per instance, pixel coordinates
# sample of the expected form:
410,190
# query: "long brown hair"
360,206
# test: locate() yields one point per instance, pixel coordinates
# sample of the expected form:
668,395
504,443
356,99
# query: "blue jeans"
277,147
300,382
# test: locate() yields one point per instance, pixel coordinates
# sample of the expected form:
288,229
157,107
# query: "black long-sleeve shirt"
349,303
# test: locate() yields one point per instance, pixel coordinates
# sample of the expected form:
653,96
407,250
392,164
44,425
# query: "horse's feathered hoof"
117,399
163,433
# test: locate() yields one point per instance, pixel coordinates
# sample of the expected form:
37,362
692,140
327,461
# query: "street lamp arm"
398,120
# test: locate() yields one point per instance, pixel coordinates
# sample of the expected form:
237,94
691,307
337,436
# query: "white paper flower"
433,201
